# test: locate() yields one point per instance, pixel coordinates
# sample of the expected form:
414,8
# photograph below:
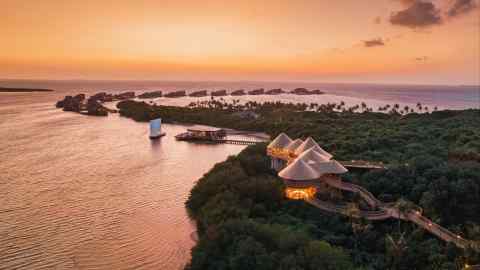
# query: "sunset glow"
348,41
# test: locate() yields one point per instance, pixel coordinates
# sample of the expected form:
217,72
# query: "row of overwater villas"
301,164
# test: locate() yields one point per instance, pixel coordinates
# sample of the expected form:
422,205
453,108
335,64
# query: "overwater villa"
308,171
202,134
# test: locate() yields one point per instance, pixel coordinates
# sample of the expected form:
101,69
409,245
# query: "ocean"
443,97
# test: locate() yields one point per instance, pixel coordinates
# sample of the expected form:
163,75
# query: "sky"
374,41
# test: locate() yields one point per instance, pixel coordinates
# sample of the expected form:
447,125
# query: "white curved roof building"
299,170
329,167
307,144
322,152
294,145
281,141
311,156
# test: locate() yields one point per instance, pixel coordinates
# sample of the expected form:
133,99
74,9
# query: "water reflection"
95,193
156,144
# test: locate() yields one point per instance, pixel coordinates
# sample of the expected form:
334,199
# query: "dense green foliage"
245,222
371,136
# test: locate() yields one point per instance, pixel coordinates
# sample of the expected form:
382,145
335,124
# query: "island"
23,90
255,92
175,94
153,94
92,105
201,93
239,92
304,91
218,93
249,216
276,91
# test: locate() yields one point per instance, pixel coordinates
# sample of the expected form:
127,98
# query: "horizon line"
242,81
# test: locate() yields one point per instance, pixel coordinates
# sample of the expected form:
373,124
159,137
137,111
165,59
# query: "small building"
277,151
202,133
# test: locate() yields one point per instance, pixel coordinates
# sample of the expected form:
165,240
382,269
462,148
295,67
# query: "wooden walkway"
352,164
389,211
238,141
360,164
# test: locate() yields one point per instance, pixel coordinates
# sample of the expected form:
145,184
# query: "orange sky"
305,40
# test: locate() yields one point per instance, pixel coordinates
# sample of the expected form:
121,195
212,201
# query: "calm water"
80,192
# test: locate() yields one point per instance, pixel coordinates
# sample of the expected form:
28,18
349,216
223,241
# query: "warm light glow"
300,193
234,40
278,152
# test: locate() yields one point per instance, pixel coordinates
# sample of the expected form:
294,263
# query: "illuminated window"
300,193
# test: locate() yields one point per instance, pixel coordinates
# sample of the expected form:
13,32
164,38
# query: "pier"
237,141
217,135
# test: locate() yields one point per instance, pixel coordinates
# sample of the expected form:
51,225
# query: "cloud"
417,15
373,43
461,7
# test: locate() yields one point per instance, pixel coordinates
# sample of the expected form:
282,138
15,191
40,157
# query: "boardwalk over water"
244,141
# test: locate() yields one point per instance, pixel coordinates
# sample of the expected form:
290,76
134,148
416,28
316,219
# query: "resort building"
303,165
202,133
310,173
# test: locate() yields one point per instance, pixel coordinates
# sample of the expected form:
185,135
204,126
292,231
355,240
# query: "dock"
216,135
237,141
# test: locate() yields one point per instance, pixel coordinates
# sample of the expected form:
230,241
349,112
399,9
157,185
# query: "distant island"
15,90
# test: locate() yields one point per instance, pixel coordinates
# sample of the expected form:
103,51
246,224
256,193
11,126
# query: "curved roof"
294,145
322,152
298,170
281,141
331,166
307,144
311,156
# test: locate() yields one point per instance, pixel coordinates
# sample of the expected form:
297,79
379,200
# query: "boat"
156,129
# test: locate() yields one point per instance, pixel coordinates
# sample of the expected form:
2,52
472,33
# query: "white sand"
286,98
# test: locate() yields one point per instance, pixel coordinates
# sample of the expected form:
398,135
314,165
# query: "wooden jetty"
237,141
213,135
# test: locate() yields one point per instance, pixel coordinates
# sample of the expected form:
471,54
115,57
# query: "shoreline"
386,139
23,90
